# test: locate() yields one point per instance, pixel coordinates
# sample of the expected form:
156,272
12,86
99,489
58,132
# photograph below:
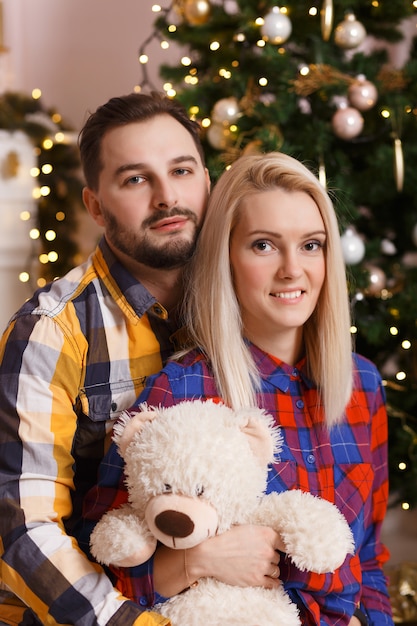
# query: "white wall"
78,52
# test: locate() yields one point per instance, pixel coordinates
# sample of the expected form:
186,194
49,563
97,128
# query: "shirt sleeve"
39,381
373,554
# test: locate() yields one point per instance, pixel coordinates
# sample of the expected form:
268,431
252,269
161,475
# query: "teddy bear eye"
199,490
167,488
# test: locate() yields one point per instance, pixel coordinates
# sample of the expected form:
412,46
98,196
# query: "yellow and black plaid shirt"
71,360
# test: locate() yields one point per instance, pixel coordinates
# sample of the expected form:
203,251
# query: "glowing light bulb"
50,235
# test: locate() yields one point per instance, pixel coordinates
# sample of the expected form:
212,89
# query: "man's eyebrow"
128,167
185,157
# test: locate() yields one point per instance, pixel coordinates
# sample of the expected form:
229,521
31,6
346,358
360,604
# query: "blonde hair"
212,311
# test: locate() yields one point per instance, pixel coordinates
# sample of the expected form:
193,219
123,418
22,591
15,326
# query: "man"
78,352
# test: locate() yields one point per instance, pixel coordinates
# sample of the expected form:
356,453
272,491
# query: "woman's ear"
92,205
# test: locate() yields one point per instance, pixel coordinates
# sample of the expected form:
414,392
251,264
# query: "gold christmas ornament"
219,136
194,12
10,166
398,164
326,19
377,280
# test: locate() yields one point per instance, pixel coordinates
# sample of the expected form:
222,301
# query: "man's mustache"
161,215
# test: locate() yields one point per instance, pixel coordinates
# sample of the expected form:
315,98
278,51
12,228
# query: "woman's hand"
244,556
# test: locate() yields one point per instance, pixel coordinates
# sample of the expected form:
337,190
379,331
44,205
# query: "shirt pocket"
105,401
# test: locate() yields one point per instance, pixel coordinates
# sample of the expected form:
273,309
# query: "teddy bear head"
194,469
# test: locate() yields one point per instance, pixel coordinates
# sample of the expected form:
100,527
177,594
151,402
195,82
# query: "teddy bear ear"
264,437
129,423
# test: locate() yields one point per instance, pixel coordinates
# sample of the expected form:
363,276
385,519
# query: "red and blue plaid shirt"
346,465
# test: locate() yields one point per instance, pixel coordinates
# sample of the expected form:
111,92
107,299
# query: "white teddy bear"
192,471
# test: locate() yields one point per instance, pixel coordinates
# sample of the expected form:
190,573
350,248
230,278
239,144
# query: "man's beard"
169,254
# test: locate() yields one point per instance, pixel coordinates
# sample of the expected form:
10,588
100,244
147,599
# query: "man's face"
152,192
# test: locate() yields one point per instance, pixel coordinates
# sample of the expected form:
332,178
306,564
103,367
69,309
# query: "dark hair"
135,107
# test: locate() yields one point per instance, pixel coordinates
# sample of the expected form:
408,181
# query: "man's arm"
39,381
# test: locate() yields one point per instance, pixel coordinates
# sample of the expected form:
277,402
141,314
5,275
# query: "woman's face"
278,265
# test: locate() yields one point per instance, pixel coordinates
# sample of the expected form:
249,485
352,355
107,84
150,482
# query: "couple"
267,311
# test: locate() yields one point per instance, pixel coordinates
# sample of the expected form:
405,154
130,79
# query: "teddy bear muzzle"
180,521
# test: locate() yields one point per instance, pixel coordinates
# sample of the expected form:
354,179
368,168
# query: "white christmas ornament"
347,122
388,247
352,246
218,136
277,26
226,110
362,93
350,33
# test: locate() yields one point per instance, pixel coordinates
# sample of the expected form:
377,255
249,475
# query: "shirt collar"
128,292
278,373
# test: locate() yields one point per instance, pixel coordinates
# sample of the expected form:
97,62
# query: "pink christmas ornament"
347,122
377,280
362,94
350,33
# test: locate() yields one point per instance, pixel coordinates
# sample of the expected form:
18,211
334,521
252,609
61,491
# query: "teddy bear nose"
174,523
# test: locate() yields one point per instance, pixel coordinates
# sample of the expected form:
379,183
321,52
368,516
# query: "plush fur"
195,469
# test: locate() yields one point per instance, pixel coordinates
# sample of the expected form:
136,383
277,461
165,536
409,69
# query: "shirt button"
299,404
143,601
311,459
113,406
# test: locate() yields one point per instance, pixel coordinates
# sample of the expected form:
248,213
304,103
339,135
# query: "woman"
268,316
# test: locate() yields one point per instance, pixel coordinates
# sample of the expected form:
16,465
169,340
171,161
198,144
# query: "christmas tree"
315,80
57,184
